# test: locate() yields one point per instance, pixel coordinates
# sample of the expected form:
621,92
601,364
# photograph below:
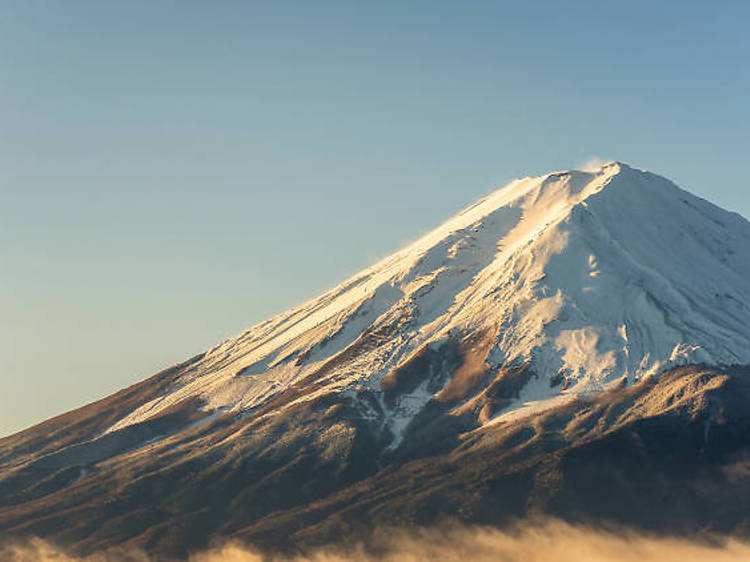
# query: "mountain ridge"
574,345
425,292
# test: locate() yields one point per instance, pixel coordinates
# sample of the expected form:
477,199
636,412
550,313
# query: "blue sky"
172,172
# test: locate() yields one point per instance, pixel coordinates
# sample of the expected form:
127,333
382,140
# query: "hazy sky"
173,172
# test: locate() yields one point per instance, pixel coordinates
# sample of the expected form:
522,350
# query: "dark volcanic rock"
669,454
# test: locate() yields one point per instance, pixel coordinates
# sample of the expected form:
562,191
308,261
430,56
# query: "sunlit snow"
590,276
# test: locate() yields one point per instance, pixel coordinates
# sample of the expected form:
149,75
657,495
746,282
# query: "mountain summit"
584,279
554,313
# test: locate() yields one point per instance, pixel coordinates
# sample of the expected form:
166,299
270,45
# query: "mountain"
574,344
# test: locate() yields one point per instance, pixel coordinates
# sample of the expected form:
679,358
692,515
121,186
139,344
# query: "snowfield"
586,279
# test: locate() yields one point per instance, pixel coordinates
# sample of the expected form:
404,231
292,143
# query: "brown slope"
670,454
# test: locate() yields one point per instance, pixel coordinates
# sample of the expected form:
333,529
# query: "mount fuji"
572,345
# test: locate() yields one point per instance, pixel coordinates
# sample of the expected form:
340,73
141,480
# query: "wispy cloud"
592,164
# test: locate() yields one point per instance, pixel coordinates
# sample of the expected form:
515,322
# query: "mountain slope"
585,277
495,357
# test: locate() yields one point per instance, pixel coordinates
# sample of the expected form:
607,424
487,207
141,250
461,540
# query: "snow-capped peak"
580,278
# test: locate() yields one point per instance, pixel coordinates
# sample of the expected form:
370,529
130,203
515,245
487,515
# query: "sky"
172,172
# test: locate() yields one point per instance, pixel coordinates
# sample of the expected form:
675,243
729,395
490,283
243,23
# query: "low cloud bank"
532,543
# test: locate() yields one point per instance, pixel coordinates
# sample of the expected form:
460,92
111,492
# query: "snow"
596,275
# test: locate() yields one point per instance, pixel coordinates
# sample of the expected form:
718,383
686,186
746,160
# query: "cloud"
37,550
592,164
530,543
